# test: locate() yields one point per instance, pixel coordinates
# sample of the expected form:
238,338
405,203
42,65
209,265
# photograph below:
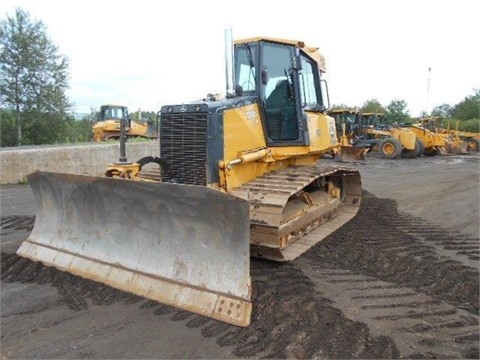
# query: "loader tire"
410,154
432,151
421,144
473,145
390,148
151,159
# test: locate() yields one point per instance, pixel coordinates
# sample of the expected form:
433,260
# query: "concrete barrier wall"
90,159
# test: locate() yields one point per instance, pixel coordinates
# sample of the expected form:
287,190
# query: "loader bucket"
350,154
181,245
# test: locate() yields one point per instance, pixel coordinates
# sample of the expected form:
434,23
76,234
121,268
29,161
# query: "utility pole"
428,91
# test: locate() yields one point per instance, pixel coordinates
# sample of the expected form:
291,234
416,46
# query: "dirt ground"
401,280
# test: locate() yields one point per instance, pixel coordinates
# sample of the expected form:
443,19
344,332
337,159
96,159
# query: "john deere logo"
183,108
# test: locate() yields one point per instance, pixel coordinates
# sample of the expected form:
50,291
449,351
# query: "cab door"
283,114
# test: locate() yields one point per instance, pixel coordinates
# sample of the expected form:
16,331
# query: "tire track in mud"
458,246
374,244
290,318
404,278
15,222
420,325
14,227
283,296
366,288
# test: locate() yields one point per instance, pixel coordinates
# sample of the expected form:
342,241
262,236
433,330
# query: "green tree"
424,114
342,107
33,80
469,108
443,111
397,111
81,129
372,106
143,115
7,128
471,125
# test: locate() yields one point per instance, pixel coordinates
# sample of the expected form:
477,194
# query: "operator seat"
280,111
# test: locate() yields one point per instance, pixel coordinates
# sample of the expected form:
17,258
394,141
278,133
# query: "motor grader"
345,121
456,141
242,176
464,141
368,132
433,142
108,125
392,141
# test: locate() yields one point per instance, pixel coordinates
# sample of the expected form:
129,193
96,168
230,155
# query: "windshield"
245,58
113,113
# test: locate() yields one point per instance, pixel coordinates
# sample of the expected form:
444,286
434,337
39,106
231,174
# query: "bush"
472,125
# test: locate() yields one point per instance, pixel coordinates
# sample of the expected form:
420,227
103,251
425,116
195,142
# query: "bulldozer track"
385,285
274,217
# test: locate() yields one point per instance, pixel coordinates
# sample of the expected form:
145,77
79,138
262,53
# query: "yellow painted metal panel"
323,133
243,131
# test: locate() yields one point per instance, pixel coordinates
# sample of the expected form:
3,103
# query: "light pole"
428,90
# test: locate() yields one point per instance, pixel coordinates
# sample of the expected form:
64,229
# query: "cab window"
280,110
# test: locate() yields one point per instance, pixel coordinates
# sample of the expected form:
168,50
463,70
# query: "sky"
148,53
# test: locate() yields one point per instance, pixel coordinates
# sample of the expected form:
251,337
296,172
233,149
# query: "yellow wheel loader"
237,177
108,126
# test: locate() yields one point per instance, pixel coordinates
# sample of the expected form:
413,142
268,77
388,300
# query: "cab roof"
112,106
310,51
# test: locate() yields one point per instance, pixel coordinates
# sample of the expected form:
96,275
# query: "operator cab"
113,112
287,82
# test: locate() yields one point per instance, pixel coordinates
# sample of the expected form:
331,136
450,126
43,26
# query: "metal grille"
183,141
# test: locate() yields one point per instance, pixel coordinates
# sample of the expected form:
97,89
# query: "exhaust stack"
229,69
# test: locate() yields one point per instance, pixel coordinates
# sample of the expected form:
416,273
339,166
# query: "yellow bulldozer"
108,125
242,176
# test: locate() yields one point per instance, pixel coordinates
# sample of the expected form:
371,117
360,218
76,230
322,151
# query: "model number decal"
251,114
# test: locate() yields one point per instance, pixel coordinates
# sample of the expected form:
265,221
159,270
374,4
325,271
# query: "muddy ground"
401,280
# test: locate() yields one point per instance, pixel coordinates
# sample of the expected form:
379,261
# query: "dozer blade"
182,245
350,154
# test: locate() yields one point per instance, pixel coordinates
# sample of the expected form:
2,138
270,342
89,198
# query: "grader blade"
181,245
462,148
350,154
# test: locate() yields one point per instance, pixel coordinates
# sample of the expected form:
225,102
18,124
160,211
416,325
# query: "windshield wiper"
250,60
